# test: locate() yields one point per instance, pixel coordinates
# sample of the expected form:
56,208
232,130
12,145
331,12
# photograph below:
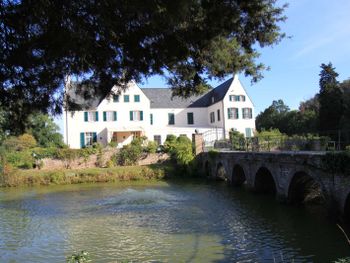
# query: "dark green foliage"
131,153
182,151
169,143
331,99
279,116
200,39
44,130
151,147
237,140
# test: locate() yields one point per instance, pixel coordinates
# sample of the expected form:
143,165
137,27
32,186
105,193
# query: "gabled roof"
162,98
84,97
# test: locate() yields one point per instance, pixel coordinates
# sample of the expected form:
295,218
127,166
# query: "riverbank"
86,175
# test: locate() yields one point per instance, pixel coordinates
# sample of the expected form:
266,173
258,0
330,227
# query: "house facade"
154,113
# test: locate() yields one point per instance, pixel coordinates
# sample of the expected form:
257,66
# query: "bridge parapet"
286,174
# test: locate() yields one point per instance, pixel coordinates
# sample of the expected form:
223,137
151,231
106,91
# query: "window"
218,115
151,118
109,116
212,117
115,98
90,116
157,139
171,118
232,113
237,98
190,118
126,98
136,98
136,115
87,138
247,113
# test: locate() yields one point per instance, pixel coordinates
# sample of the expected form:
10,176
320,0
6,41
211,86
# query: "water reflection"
178,221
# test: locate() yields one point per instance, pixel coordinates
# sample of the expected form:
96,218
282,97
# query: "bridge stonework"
284,168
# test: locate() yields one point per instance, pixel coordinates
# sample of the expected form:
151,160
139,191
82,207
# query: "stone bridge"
291,176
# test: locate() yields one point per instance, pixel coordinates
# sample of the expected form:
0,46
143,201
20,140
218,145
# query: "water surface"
190,221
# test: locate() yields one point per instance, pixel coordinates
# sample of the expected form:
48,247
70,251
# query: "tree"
107,43
44,130
331,100
272,117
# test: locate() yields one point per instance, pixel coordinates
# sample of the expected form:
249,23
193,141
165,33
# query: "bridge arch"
221,173
264,181
303,188
347,208
238,175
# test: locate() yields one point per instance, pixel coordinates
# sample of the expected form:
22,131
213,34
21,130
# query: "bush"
130,153
22,159
237,140
169,143
151,147
81,257
20,143
182,151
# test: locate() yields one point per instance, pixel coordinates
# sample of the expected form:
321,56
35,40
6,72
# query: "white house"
154,113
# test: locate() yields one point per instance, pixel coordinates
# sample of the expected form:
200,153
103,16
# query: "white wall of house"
162,127
239,124
75,123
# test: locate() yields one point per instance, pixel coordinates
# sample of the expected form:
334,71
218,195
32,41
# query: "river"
174,221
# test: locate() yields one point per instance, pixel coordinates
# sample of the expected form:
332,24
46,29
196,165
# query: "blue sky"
320,33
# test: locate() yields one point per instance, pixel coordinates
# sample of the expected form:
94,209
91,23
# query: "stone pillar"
197,140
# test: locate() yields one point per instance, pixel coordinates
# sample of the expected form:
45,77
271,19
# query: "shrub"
20,143
169,143
237,140
183,150
22,159
130,153
151,147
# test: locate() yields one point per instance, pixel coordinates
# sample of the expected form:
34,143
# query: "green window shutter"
86,118
82,140
151,118
94,137
131,116
114,115
237,113
96,115
141,115
104,116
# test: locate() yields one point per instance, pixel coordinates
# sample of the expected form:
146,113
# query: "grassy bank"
88,175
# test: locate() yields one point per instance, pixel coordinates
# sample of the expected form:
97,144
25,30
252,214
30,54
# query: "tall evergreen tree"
331,101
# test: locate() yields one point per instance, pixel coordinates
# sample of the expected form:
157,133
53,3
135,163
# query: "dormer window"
212,99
